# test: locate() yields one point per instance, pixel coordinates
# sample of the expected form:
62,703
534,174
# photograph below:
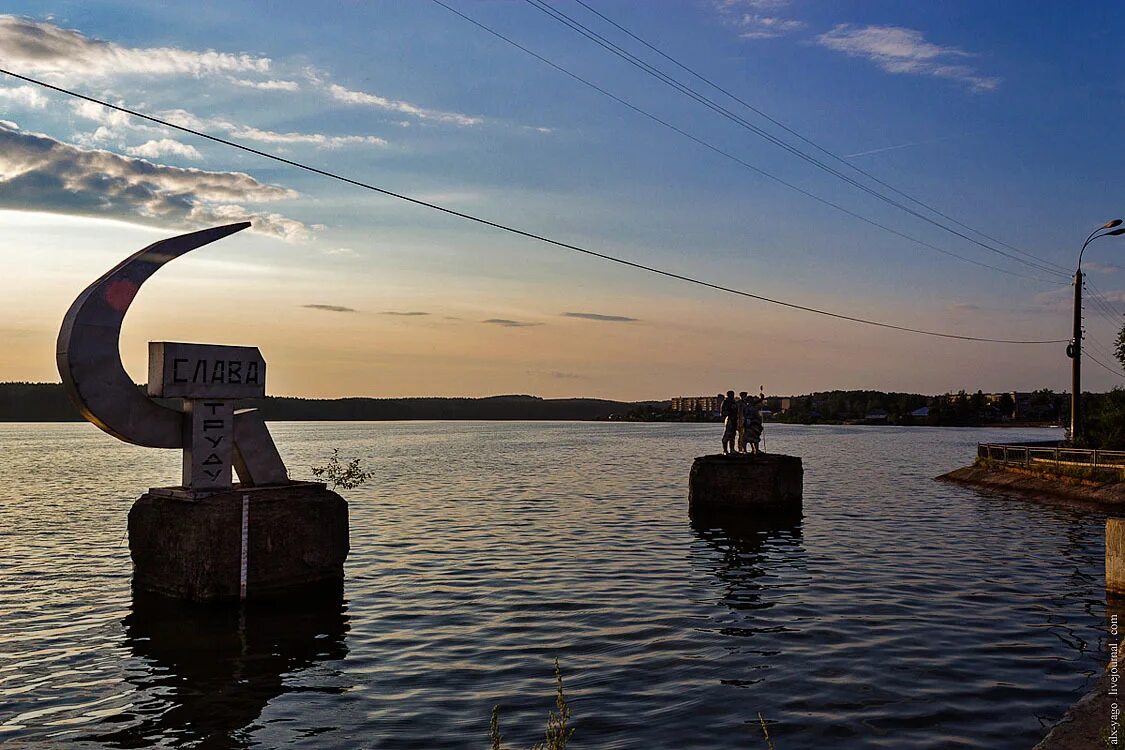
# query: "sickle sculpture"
89,361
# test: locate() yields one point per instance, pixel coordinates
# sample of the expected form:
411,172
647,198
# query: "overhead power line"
691,93
727,154
1096,345
811,142
1113,309
514,230
1104,366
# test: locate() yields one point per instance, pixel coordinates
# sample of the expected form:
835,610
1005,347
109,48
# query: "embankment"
1085,725
1107,491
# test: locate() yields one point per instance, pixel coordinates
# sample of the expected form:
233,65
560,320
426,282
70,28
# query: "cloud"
267,85
332,308
162,147
39,173
900,50
599,316
348,96
42,48
28,96
316,139
339,251
115,125
1060,299
557,374
510,323
754,25
962,307
1100,267
755,4
1115,297
410,314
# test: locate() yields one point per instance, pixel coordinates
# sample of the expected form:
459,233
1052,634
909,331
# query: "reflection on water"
210,670
899,614
741,567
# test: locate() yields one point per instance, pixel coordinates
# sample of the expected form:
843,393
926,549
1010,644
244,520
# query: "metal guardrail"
1029,455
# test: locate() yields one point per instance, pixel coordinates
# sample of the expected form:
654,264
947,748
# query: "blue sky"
1005,117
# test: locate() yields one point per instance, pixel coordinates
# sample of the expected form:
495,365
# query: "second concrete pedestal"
191,547
1115,556
746,487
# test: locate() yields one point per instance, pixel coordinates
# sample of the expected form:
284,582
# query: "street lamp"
1074,349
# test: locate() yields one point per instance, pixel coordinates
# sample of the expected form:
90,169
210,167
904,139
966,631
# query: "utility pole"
1074,351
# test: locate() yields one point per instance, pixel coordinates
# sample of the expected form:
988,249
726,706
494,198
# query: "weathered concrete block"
746,486
1115,556
191,548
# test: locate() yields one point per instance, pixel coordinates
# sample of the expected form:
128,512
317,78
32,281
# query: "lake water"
901,613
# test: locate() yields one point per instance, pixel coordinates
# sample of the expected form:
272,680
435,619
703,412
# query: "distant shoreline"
49,402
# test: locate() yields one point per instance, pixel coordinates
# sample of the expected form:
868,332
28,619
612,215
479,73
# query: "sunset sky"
1005,117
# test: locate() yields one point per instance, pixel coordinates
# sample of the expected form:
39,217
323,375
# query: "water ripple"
900,613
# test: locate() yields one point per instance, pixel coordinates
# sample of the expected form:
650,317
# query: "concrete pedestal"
191,547
1115,556
766,486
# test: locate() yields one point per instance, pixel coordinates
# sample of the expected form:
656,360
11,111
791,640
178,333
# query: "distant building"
876,416
694,404
921,413
1026,406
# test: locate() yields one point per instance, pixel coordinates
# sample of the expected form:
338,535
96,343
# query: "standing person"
744,407
729,413
754,425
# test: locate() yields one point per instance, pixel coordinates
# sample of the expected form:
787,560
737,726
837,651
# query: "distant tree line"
865,406
961,409
48,402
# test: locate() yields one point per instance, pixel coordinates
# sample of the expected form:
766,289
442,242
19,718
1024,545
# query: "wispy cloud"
557,374
898,146
751,23
506,323
331,308
407,314
39,173
900,50
268,85
1116,296
1061,300
43,48
115,125
1100,267
599,316
315,139
349,96
963,307
754,4
164,147
1056,300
